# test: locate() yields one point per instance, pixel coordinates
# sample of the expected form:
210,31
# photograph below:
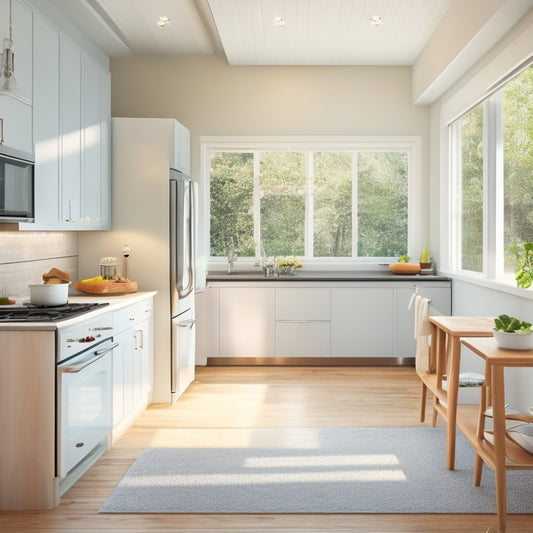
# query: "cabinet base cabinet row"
368,321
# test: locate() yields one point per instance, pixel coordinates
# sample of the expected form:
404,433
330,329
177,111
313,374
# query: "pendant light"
8,83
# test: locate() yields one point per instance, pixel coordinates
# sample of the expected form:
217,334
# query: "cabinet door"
70,75
95,175
440,304
362,322
124,340
46,122
247,322
181,148
303,339
304,303
207,311
144,342
15,109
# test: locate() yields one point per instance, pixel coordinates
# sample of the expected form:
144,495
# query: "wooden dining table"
494,447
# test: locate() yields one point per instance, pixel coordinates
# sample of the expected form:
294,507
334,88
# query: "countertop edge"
116,302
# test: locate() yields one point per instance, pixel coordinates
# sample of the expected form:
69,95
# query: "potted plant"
524,264
288,265
512,333
425,259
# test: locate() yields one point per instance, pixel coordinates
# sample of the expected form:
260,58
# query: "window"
346,202
491,168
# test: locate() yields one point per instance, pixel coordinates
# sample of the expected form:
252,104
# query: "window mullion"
309,205
257,206
493,187
355,231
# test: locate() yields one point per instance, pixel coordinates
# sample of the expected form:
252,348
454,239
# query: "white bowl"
44,294
514,341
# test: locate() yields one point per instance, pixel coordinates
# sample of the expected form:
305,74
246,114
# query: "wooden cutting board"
106,287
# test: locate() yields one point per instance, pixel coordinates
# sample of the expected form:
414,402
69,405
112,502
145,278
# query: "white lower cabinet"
362,322
303,322
247,322
312,319
132,363
303,339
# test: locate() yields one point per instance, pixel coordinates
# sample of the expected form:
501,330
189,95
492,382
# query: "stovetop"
35,313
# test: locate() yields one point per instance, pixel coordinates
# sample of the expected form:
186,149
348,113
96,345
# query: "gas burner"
40,313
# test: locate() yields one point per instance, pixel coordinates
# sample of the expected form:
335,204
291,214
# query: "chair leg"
423,403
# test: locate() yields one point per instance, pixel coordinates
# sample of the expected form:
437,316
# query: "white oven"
84,396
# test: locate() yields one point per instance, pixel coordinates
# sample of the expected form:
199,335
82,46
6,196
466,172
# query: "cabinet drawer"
303,304
128,316
302,339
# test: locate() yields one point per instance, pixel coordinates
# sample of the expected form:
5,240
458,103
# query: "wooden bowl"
106,287
405,268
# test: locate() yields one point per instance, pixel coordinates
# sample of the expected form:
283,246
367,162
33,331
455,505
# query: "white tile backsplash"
24,257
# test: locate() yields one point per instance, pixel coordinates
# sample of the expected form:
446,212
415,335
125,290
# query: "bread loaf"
56,276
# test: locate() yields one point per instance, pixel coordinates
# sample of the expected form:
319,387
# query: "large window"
492,169
317,203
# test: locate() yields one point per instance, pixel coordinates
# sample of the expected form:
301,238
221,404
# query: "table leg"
452,395
478,469
498,411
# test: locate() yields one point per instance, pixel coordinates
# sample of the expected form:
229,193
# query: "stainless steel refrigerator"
144,151
182,280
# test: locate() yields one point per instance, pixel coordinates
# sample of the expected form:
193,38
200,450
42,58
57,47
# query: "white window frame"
493,191
417,228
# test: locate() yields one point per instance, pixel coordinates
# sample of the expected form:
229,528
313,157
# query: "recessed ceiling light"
279,22
376,20
163,21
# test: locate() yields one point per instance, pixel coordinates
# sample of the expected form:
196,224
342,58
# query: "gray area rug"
316,470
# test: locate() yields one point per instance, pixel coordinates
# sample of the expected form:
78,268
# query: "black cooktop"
41,313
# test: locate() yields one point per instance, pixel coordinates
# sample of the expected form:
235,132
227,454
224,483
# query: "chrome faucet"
231,255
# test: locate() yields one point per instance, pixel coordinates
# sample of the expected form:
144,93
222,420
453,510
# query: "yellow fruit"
97,278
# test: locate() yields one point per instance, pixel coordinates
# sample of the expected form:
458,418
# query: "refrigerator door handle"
183,292
186,323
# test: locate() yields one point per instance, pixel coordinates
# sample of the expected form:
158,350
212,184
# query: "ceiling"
316,32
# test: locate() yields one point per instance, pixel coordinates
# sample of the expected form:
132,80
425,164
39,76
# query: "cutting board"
106,287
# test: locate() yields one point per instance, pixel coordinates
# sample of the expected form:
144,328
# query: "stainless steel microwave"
17,186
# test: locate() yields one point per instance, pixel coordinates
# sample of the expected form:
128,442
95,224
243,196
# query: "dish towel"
422,332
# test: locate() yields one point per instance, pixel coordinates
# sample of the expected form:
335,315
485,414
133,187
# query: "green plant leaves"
524,264
510,324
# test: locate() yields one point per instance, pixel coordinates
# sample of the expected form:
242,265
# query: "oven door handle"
98,354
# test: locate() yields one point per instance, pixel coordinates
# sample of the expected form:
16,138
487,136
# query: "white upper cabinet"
96,181
181,148
46,122
70,113
72,131
15,110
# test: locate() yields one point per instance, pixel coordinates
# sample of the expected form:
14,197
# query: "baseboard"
311,361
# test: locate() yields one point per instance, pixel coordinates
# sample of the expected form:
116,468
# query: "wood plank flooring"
250,397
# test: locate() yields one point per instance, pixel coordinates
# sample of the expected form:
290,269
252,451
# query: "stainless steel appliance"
182,281
17,186
35,313
83,396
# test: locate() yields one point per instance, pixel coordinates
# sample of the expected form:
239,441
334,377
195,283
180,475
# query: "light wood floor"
243,397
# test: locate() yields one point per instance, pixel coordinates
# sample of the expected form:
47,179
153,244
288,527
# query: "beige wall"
212,98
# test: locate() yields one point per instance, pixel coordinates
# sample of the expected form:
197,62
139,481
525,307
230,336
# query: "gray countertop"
317,275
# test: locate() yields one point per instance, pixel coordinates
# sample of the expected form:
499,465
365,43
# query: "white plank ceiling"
317,32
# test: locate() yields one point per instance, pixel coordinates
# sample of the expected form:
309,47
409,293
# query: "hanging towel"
422,334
